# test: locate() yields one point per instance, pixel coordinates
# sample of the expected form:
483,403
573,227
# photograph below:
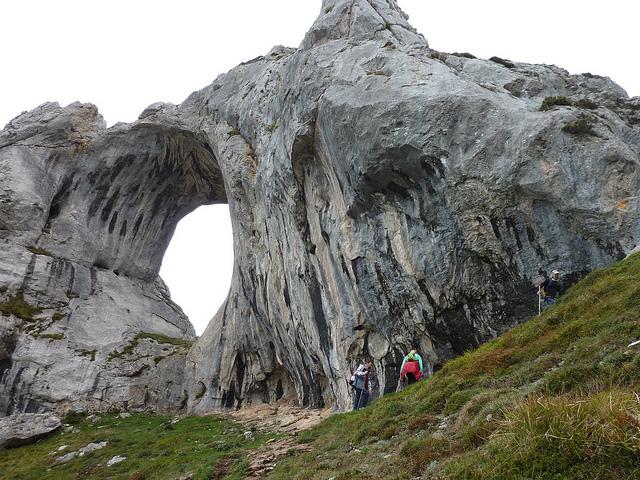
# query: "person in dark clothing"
361,383
550,288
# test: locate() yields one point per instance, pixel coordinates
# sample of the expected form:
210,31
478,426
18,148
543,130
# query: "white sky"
123,55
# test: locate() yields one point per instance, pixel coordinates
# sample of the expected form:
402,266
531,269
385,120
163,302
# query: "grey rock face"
383,196
26,428
86,216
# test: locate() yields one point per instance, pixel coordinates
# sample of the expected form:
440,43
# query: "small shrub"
503,62
88,353
156,337
50,336
549,102
71,295
40,251
586,104
19,307
582,126
159,338
463,55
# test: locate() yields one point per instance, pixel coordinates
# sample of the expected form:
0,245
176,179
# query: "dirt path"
281,417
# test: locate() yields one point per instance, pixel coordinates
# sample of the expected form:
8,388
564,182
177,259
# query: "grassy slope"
551,399
155,449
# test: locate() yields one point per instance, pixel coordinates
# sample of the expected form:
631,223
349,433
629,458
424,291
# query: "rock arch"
90,215
383,196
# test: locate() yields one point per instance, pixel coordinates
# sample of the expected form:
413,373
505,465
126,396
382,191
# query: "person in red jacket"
411,370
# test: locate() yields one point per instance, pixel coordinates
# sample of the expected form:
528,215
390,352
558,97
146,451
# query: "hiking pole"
539,300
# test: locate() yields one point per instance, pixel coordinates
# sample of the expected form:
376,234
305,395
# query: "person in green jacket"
413,356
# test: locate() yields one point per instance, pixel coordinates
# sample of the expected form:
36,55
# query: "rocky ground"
283,417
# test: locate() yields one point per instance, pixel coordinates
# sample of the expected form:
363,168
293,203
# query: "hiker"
412,368
361,383
550,288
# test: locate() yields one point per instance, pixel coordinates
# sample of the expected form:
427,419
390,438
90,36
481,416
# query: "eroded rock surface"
86,214
383,196
26,428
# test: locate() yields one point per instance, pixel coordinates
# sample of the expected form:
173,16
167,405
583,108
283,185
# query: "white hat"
555,272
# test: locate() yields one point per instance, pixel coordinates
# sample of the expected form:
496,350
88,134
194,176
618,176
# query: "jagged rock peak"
361,20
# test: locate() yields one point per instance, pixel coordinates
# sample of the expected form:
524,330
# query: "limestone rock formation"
26,428
86,214
383,196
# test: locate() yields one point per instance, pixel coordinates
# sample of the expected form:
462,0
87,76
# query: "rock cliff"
383,195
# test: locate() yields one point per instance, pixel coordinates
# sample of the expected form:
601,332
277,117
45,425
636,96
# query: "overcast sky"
123,55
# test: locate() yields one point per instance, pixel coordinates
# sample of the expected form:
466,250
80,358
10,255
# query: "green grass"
550,102
156,337
554,398
589,436
19,307
155,448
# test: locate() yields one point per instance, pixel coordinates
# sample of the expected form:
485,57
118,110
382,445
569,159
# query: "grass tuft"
586,104
549,102
503,62
156,337
464,55
582,126
20,308
40,251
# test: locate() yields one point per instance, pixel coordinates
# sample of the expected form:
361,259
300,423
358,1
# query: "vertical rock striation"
383,196
86,215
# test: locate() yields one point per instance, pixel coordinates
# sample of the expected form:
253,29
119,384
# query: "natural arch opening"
198,263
